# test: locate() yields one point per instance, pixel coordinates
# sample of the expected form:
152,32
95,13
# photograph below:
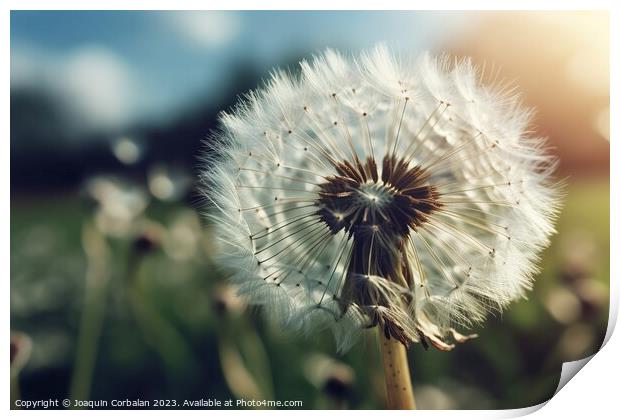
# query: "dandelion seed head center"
373,195
365,201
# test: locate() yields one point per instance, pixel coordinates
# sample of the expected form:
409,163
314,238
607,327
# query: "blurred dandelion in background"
168,184
119,205
21,346
335,379
127,150
381,190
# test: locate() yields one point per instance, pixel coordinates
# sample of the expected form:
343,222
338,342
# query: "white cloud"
93,85
98,86
207,29
24,67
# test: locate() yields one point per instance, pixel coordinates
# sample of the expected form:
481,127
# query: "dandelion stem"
93,312
158,333
397,379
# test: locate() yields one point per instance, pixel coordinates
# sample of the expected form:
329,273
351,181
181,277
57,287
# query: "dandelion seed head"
380,190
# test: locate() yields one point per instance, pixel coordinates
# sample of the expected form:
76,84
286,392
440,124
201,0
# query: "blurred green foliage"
171,328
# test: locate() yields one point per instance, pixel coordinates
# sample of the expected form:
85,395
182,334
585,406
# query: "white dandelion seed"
380,190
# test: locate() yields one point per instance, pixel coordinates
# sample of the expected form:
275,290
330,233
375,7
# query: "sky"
113,68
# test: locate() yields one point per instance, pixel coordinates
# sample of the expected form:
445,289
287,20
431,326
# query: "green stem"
160,334
91,322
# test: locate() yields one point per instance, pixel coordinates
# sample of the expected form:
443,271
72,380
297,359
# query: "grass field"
146,314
